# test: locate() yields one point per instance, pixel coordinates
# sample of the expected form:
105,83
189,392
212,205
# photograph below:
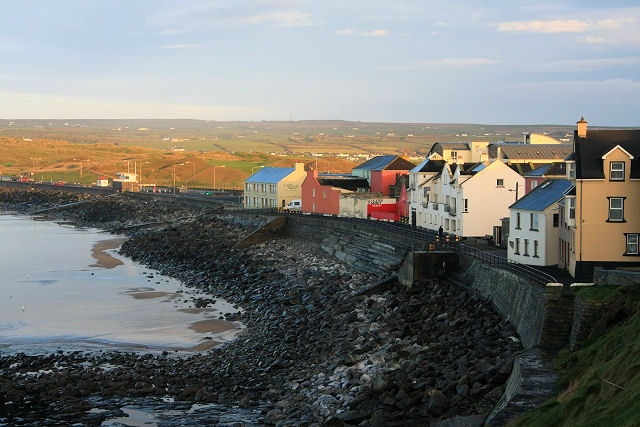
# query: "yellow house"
603,215
273,187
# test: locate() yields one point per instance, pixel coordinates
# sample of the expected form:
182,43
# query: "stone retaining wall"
585,316
615,277
516,298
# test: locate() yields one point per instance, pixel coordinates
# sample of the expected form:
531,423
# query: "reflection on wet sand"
212,325
103,259
149,293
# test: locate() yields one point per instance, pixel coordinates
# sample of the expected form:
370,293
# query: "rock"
274,416
438,402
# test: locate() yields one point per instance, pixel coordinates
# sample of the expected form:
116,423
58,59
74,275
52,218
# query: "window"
517,250
534,183
446,224
247,186
534,221
314,194
518,221
500,182
466,205
247,200
314,206
632,244
324,194
556,220
616,171
535,249
526,247
572,207
616,209
571,170
454,155
426,193
453,225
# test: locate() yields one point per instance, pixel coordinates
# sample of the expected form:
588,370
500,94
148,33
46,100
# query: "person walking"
440,231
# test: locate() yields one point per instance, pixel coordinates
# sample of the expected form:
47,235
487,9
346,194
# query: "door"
413,218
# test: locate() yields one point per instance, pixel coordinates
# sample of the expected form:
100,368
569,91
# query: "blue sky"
501,62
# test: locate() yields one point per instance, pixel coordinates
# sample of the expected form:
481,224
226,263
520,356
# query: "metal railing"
428,240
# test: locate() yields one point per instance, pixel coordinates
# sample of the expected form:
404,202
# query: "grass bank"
600,383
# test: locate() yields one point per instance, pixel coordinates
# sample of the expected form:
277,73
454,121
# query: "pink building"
321,192
383,171
538,176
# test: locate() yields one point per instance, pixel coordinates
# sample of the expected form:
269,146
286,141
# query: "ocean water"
67,288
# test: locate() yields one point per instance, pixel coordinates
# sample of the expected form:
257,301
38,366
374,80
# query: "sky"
455,61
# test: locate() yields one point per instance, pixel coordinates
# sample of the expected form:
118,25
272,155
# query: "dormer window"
571,170
616,171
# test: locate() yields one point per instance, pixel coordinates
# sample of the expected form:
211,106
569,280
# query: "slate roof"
535,151
346,182
550,169
453,145
377,163
544,195
589,151
429,166
270,175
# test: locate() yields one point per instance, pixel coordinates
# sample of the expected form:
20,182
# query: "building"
536,138
272,187
603,216
125,181
534,224
468,200
417,191
461,152
556,170
535,154
382,172
321,191
356,205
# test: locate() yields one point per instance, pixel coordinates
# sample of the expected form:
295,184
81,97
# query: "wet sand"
103,259
212,325
150,293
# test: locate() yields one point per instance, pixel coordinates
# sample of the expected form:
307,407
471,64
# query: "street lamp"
174,176
141,163
87,160
214,177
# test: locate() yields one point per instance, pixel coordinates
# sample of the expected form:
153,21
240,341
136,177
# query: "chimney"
299,166
582,128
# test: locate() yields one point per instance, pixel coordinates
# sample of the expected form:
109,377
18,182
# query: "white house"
468,200
416,193
534,224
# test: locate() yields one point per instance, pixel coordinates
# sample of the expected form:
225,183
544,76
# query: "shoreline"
312,351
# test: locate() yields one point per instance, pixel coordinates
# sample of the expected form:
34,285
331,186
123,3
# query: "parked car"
59,183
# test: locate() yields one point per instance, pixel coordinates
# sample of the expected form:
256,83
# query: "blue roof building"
534,224
273,187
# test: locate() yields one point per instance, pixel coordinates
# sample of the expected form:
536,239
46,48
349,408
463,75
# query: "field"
82,150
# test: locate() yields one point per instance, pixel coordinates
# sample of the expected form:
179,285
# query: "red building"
321,192
537,176
382,172
390,211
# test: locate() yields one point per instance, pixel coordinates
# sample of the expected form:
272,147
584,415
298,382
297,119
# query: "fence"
427,240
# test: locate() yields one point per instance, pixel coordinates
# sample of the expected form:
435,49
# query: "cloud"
375,33
591,40
181,46
449,62
585,65
555,26
345,32
208,15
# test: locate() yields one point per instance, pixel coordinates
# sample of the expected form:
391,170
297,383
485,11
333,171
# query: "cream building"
354,205
469,202
273,187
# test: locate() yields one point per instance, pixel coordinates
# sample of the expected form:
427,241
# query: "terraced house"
603,215
272,187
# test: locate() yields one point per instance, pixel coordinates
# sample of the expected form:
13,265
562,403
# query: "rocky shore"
317,348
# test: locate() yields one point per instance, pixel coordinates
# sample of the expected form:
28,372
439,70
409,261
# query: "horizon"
271,60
